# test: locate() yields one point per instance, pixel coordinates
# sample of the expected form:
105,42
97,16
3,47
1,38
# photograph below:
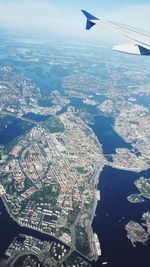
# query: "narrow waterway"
36,117
103,128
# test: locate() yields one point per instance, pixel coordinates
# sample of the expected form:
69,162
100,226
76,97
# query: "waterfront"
9,229
113,210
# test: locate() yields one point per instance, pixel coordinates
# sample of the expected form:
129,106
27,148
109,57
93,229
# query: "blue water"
45,103
99,98
106,135
36,117
13,130
78,104
143,100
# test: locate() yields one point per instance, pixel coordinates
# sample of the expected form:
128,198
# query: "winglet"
90,17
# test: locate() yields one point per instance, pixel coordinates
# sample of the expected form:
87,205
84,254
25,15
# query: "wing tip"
88,15
90,19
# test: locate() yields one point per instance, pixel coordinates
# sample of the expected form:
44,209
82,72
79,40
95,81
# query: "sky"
63,18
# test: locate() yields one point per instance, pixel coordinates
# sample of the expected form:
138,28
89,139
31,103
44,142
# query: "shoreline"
96,254
125,169
96,178
29,227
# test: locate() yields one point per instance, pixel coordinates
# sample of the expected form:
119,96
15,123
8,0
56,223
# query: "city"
50,172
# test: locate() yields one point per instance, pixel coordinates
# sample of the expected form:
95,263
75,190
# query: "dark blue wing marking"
144,51
89,16
89,24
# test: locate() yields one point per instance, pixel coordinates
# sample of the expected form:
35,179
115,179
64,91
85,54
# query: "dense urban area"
49,174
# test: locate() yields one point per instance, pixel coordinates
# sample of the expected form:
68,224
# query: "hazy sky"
63,17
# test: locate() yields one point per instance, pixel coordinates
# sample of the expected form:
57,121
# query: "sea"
113,210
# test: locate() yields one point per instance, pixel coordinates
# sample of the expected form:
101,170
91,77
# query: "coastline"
95,184
126,169
94,248
44,233
29,227
98,169
96,178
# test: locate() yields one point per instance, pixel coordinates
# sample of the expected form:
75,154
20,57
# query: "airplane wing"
139,40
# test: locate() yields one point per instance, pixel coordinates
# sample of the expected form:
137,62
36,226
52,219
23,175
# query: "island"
135,198
125,159
137,232
143,185
146,219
